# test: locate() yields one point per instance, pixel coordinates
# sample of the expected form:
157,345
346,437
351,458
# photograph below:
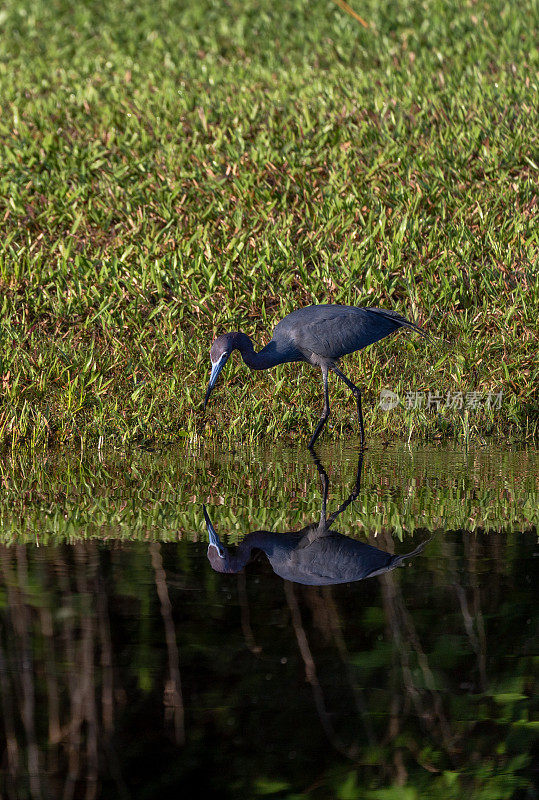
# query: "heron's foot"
362,444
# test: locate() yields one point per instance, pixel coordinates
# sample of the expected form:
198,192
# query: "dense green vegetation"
170,170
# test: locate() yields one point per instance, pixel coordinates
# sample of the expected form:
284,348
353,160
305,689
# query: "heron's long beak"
212,533
215,370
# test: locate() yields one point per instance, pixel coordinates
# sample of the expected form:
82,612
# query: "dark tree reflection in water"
131,670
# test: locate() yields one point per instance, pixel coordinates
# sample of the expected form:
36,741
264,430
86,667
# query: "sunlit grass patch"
171,171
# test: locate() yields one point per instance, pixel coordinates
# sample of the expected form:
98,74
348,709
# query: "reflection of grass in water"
159,495
170,172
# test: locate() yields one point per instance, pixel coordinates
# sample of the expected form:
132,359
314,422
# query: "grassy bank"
173,170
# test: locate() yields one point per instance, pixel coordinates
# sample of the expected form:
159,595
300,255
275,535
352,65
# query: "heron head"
217,554
219,355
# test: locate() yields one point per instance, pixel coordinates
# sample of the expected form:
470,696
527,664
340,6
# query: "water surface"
129,667
159,494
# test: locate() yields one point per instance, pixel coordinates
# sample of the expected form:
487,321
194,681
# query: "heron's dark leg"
325,410
357,394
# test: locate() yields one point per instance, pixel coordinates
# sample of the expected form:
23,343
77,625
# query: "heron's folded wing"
341,331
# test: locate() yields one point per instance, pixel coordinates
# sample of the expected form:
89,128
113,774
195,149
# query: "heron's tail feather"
400,321
415,552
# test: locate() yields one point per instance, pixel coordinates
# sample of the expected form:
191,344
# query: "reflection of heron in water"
314,555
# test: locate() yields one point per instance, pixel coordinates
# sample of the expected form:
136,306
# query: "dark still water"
303,663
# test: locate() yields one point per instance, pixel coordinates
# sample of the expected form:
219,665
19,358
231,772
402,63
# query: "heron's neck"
236,560
269,356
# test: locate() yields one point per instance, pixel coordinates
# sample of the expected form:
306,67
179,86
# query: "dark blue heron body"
310,556
320,335
329,332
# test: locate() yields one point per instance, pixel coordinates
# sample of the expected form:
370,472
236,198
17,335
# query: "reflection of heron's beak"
214,539
215,370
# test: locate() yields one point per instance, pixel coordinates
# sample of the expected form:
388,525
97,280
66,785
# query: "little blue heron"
320,335
315,555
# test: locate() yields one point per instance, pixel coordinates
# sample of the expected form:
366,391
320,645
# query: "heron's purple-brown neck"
268,357
272,354
222,559
231,561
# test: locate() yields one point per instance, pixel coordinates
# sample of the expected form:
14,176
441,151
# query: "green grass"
171,170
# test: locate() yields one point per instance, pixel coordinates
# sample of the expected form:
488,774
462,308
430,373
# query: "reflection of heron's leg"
359,470
325,410
354,493
357,394
324,481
